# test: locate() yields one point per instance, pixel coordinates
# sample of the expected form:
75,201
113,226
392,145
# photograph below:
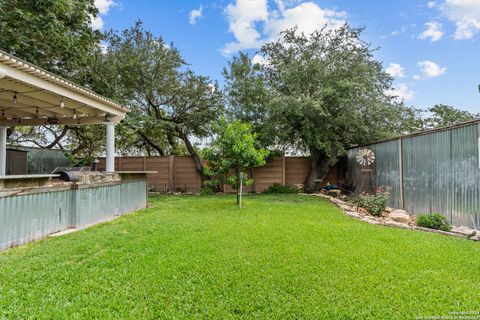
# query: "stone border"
351,211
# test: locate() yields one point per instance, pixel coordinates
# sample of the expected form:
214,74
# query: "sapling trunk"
241,190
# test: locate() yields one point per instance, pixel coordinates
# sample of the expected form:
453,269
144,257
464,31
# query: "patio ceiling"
30,96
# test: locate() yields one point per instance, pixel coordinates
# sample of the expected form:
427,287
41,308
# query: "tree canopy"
168,101
246,94
53,34
444,115
327,92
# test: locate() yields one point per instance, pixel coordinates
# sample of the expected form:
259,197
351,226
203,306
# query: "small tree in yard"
232,151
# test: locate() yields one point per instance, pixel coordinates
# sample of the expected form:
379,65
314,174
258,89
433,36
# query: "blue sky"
431,47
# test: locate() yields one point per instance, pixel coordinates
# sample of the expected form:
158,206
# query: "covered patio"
31,96
36,206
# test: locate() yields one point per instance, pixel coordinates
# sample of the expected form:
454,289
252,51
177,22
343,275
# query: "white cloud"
465,14
259,59
104,7
431,4
395,70
97,23
433,32
242,17
403,29
253,22
307,16
403,92
195,15
431,69
416,77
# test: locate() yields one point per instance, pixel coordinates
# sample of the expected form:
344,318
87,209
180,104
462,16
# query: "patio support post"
3,151
110,159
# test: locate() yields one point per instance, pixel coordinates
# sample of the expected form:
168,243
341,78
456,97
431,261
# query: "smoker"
71,174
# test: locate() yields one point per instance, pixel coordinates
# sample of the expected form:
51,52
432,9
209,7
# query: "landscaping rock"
335,192
362,210
399,216
388,210
346,207
353,214
371,220
439,231
391,223
467,232
298,186
475,238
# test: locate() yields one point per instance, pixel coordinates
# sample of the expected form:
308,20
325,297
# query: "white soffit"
31,96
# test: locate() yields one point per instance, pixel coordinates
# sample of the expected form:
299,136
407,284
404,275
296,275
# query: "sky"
431,48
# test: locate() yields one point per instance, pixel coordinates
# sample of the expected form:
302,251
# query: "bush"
434,221
278,188
207,191
374,204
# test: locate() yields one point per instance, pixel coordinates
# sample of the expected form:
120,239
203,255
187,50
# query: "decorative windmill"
366,158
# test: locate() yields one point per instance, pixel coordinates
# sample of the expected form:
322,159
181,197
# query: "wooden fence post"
284,182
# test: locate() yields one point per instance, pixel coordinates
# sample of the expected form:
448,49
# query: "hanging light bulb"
36,112
15,98
62,104
74,114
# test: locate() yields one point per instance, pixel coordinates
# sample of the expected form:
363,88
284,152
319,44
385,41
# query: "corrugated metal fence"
33,216
436,171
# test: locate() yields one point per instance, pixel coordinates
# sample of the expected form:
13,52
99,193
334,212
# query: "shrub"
207,191
434,221
278,188
374,204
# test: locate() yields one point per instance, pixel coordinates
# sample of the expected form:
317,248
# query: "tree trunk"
319,167
193,153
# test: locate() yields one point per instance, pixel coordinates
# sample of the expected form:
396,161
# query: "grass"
280,257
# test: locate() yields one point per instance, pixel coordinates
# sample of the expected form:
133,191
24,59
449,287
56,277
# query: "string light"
62,104
74,114
14,98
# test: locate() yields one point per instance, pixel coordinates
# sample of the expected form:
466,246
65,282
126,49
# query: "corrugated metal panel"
441,173
386,170
34,216
132,190
97,204
427,173
44,161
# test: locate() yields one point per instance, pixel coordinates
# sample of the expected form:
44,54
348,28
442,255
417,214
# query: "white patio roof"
31,96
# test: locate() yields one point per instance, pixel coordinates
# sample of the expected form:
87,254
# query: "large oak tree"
170,104
327,93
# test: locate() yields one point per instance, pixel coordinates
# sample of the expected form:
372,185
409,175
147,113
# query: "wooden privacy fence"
178,174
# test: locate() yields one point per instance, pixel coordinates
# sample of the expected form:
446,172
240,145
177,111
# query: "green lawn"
290,256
